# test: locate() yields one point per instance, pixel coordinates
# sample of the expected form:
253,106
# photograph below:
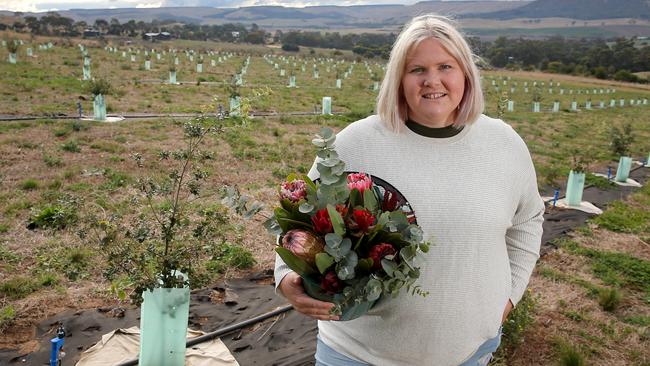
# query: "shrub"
71,146
18,287
609,299
7,316
621,139
99,86
229,256
52,161
56,216
29,185
290,47
569,355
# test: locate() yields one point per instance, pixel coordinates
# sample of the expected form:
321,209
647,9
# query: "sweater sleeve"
523,238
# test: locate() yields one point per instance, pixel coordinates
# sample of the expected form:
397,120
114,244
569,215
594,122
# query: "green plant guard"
624,166
327,105
99,108
163,326
575,187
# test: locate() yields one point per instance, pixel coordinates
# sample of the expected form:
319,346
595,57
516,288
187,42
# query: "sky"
51,5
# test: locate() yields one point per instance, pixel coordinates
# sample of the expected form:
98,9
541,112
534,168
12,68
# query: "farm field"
58,176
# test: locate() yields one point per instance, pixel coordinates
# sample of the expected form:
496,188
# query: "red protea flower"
322,222
360,181
363,219
303,244
389,203
331,284
294,191
379,251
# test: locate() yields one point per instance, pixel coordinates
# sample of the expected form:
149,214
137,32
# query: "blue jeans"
326,356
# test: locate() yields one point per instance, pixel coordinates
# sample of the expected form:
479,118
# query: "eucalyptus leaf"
373,289
333,240
389,267
306,207
272,226
337,220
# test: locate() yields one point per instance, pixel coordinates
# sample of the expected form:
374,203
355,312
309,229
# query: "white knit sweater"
475,196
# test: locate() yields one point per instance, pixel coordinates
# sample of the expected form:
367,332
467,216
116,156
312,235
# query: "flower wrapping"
353,238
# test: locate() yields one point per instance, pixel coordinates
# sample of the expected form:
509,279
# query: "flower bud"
360,181
303,244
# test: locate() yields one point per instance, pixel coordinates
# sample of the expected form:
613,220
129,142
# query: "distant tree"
290,47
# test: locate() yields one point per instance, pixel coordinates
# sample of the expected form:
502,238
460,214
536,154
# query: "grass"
622,217
568,355
230,256
7,317
29,185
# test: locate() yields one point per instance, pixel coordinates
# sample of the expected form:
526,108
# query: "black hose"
225,330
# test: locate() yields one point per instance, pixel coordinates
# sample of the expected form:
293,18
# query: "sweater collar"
432,132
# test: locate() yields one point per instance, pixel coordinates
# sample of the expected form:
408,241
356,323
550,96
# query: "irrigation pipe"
156,115
225,330
591,185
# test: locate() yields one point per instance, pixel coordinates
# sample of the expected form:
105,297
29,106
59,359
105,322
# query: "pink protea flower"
379,251
360,181
294,191
331,284
303,244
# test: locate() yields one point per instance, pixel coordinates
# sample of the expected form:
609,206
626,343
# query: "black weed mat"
288,339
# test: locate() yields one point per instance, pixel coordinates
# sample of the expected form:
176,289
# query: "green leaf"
296,264
365,264
370,200
355,198
323,262
333,240
272,226
337,220
306,207
373,289
389,267
309,182
345,268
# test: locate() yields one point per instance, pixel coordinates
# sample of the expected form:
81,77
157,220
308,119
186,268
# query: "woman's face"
433,84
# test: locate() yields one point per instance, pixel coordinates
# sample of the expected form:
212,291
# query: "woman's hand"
291,288
506,311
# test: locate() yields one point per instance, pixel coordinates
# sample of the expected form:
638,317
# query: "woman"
472,185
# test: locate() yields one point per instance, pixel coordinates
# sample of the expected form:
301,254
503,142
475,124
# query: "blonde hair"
391,105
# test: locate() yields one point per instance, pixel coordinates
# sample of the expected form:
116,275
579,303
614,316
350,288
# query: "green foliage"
609,299
622,217
520,318
12,46
599,182
7,317
29,185
7,256
568,355
98,86
19,287
52,161
71,146
230,256
618,269
55,216
170,233
72,261
621,139
115,179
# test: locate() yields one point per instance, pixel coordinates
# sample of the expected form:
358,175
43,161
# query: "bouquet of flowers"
352,237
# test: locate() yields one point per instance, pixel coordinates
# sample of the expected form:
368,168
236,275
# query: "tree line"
606,59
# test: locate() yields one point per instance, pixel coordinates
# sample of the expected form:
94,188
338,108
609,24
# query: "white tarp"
122,345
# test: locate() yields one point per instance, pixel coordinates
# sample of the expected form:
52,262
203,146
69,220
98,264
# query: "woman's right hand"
291,288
